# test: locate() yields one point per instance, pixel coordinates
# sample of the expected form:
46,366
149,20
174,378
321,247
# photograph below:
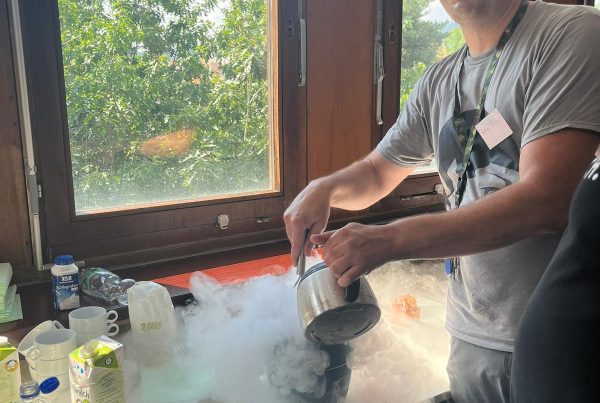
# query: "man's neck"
483,33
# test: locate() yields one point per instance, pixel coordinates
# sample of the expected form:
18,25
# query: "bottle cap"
29,389
63,260
89,349
49,385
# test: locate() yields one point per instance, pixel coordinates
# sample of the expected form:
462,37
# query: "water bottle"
30,393
106,285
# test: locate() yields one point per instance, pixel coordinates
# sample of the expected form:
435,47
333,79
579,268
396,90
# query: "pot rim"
313,269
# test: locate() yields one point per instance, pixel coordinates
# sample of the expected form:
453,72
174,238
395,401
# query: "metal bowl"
331,314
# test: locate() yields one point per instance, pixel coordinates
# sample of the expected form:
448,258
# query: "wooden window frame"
418,189
133,236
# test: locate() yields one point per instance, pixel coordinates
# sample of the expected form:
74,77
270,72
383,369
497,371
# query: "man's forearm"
352,188
500,219
363,183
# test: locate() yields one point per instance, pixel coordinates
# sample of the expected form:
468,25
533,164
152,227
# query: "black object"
337,375
557,349
352,292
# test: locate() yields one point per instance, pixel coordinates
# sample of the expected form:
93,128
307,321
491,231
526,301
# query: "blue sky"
436,12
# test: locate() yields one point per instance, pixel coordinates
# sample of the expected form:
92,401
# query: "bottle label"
65,290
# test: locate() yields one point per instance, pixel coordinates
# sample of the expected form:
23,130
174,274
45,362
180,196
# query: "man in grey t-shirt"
543,105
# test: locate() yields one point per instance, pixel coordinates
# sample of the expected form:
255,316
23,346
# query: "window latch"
223,221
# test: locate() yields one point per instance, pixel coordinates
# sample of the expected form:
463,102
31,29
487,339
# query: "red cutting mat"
234,273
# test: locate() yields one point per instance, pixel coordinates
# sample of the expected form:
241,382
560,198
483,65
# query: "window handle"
378,61
302,75
380,76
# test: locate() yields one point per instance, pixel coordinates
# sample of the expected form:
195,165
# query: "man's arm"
550,169
355,187
364,183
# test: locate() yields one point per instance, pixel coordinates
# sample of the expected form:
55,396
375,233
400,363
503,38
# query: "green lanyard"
452,265
459,122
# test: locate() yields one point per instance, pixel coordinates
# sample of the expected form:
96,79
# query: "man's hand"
355,187
355,250
309,211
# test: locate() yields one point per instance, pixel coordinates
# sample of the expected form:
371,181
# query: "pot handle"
352,291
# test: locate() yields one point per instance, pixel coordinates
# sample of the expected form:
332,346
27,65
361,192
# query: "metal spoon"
301,263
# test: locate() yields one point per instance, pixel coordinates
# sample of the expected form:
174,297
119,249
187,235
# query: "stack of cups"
49,355
91,322
26,344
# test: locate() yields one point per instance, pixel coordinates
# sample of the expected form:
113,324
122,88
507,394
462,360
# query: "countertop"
37,307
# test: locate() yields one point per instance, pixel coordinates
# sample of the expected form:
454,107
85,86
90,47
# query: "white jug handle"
114,319
112,330
57,324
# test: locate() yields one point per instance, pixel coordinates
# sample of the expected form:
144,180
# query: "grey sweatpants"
478,374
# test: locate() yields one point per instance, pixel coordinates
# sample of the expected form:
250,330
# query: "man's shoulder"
552,17
443,69
561,10
550,28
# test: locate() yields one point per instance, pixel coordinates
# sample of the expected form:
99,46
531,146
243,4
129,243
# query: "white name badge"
493,129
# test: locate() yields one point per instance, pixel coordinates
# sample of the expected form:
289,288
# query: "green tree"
137,69
423,43
239,97
453,41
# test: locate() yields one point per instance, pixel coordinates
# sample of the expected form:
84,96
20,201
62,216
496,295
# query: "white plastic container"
65,283
153,323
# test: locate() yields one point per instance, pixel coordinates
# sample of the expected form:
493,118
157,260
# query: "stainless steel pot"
331,314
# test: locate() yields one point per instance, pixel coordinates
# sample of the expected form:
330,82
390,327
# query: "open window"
167,102
158,124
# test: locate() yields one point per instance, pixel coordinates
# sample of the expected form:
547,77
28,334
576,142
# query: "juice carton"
10,372
96,372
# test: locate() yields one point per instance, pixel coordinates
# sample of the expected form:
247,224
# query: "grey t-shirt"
547,79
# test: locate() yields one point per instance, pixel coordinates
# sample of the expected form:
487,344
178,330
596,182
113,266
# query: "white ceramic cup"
26,343
90,319
90,322
52,345
110,331
54,367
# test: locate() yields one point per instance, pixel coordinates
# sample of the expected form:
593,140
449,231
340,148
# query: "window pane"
428,35
167,100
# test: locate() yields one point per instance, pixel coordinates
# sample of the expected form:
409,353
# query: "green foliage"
137,69
423,43
453,41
